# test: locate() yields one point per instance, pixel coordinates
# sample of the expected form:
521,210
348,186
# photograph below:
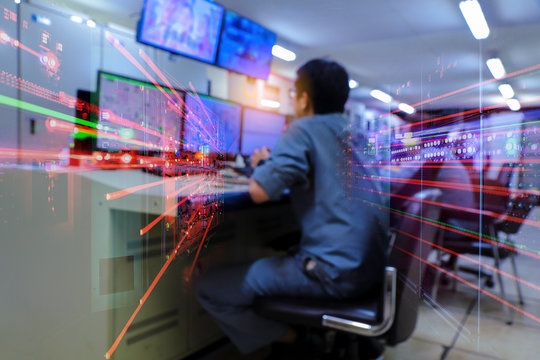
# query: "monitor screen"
134,115
260,128
213,122
186,27
245,47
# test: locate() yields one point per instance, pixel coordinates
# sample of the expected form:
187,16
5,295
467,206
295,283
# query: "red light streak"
485,134
470,87
486,189
457,231
477,288
128,56
160,217
405,164
467,112
510,276
69,127
495,161
25,48
200,246
173,254
461,208
196,96
153,66
131,190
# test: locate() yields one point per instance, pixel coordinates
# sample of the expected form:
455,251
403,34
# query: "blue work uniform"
340,208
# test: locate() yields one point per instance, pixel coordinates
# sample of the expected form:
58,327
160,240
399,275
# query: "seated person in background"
342,251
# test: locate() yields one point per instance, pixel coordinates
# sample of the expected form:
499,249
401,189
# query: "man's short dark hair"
326,84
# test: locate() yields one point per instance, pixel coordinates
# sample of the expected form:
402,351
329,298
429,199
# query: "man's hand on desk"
257,193
258,155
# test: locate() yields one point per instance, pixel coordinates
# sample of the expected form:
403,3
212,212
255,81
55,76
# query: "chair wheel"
490,283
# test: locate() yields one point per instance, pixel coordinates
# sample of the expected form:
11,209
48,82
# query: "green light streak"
5,100
19,104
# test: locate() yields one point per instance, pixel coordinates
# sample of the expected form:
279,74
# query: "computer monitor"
245,46
260,128
186,27
212,122
135,115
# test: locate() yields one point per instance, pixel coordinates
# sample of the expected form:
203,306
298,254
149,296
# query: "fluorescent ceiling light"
513,104
506,91
17,1
353,84
282,53
472,12
76,19
90,23
382,96
406,108
270,103
496,67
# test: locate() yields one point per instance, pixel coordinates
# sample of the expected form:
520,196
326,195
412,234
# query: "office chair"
389,314
500,213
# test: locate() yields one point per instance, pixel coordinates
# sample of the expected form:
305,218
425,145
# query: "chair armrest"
371,330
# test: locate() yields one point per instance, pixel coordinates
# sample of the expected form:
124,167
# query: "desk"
232,242
53,263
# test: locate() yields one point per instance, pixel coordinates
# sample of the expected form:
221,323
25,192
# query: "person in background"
342,250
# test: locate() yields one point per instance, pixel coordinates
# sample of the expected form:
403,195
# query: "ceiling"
415,50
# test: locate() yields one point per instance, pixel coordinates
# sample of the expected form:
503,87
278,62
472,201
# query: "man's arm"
257,193
287,166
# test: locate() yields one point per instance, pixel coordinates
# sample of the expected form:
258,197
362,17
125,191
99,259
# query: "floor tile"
414,349
438,325
456,354
491,337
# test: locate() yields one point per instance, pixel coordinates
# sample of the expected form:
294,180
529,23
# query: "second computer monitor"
260,128
212,123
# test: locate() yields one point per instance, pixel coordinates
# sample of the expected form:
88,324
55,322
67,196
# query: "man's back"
338,208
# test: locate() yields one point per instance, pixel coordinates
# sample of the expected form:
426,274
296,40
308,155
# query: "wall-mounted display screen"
135,115
186,27
260,128
212,122
246,46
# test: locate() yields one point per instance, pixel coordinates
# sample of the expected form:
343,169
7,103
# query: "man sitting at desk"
342,249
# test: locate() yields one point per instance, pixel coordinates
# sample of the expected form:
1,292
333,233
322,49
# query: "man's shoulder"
307,122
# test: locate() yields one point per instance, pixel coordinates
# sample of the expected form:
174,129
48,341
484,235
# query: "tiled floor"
462,325
485,334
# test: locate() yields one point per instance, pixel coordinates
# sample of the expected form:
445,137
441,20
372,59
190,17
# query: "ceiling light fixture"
353,84
270,103
472,12
513,104
382,96
282,53
90,23
496,67
406,108
76,19
506,91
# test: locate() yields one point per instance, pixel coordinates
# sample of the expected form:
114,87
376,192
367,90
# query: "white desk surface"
124,179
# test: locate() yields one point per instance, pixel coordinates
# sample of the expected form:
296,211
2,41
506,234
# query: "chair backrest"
518,206
405,256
